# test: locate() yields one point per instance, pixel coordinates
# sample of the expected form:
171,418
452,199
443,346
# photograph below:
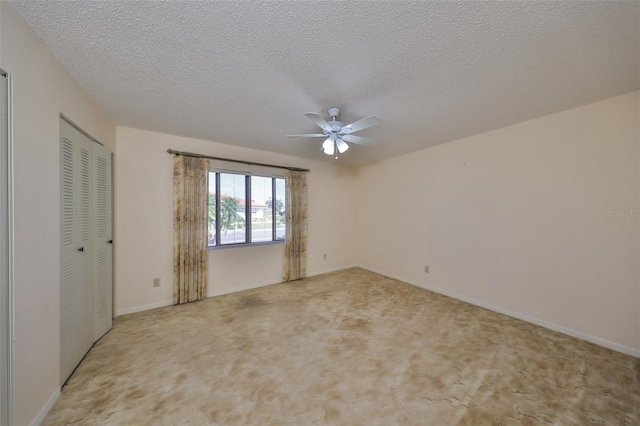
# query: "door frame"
7,335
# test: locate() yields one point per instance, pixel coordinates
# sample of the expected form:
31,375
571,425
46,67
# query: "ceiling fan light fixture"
341,145
328,146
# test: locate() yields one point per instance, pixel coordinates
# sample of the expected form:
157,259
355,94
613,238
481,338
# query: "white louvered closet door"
67,256
5,253
82,271
103,235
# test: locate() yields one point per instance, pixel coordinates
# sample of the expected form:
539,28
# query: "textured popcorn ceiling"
245,73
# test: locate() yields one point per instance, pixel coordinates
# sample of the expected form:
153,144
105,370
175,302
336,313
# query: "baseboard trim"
327,271
141,308
243,288
150,306
551,326
267,283
156,305
45,408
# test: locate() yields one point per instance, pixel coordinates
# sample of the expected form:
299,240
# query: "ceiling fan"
335,132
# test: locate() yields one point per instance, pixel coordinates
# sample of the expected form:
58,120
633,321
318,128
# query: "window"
245,209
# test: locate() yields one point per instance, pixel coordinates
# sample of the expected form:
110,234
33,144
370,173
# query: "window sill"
261,243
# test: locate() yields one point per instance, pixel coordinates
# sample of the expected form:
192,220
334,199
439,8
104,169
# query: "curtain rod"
251,163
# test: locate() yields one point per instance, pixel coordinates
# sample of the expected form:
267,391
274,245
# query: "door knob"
81,249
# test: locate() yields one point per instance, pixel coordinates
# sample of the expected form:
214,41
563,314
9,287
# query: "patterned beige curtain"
189,229
295,249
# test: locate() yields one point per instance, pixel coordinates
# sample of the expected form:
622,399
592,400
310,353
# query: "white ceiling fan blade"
308,135
357,139
362,124
341,145
319,121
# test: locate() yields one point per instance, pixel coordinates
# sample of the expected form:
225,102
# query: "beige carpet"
348,348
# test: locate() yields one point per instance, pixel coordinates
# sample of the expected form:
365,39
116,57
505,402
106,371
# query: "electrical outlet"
325,256
156,282
426,269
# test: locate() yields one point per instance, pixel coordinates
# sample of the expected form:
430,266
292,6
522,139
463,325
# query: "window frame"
215,172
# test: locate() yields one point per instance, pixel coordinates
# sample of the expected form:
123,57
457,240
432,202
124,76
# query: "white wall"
516,218
42,90
144,217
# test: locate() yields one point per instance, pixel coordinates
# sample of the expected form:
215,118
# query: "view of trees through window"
233,220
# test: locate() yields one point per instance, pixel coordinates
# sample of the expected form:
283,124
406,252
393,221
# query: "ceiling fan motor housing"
336,125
